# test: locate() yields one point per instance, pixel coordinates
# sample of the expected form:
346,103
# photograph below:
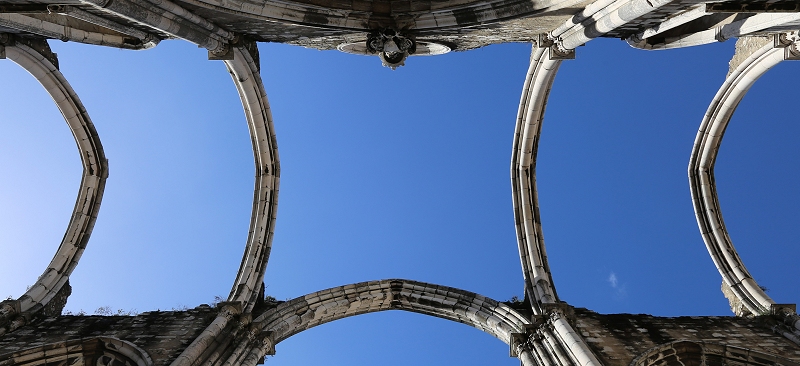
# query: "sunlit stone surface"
540,329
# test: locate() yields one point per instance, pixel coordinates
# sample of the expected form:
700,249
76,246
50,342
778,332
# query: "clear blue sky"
400,174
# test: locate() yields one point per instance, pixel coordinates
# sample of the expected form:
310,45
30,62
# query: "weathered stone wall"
162,334
745,47
619,338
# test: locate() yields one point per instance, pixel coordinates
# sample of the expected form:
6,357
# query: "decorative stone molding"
393,47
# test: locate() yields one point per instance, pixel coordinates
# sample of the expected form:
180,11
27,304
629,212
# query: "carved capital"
792,52
543,40
223,53
230,308
518,344
559,53
790,42
783,309
267,343
9,313
560,309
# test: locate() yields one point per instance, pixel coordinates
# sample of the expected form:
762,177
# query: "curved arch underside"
305,312
554,341
539,286
246,76
93,179
246,291
744,293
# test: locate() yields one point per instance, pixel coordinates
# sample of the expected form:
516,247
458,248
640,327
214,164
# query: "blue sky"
400,174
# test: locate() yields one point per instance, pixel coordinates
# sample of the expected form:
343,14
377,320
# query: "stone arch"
539,286
305,312
745,295
284,319
245,72
97,351
545,345
694,353
248,288
35,57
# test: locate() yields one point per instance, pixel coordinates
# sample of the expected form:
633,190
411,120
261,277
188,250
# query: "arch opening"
39,180
612,183
177,205
371,337
760,201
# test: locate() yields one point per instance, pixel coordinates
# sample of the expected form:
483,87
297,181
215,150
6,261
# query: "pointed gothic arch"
744,293
245,72
305,312
52,286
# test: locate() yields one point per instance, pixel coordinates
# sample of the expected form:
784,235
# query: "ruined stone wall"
162,334
617,339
